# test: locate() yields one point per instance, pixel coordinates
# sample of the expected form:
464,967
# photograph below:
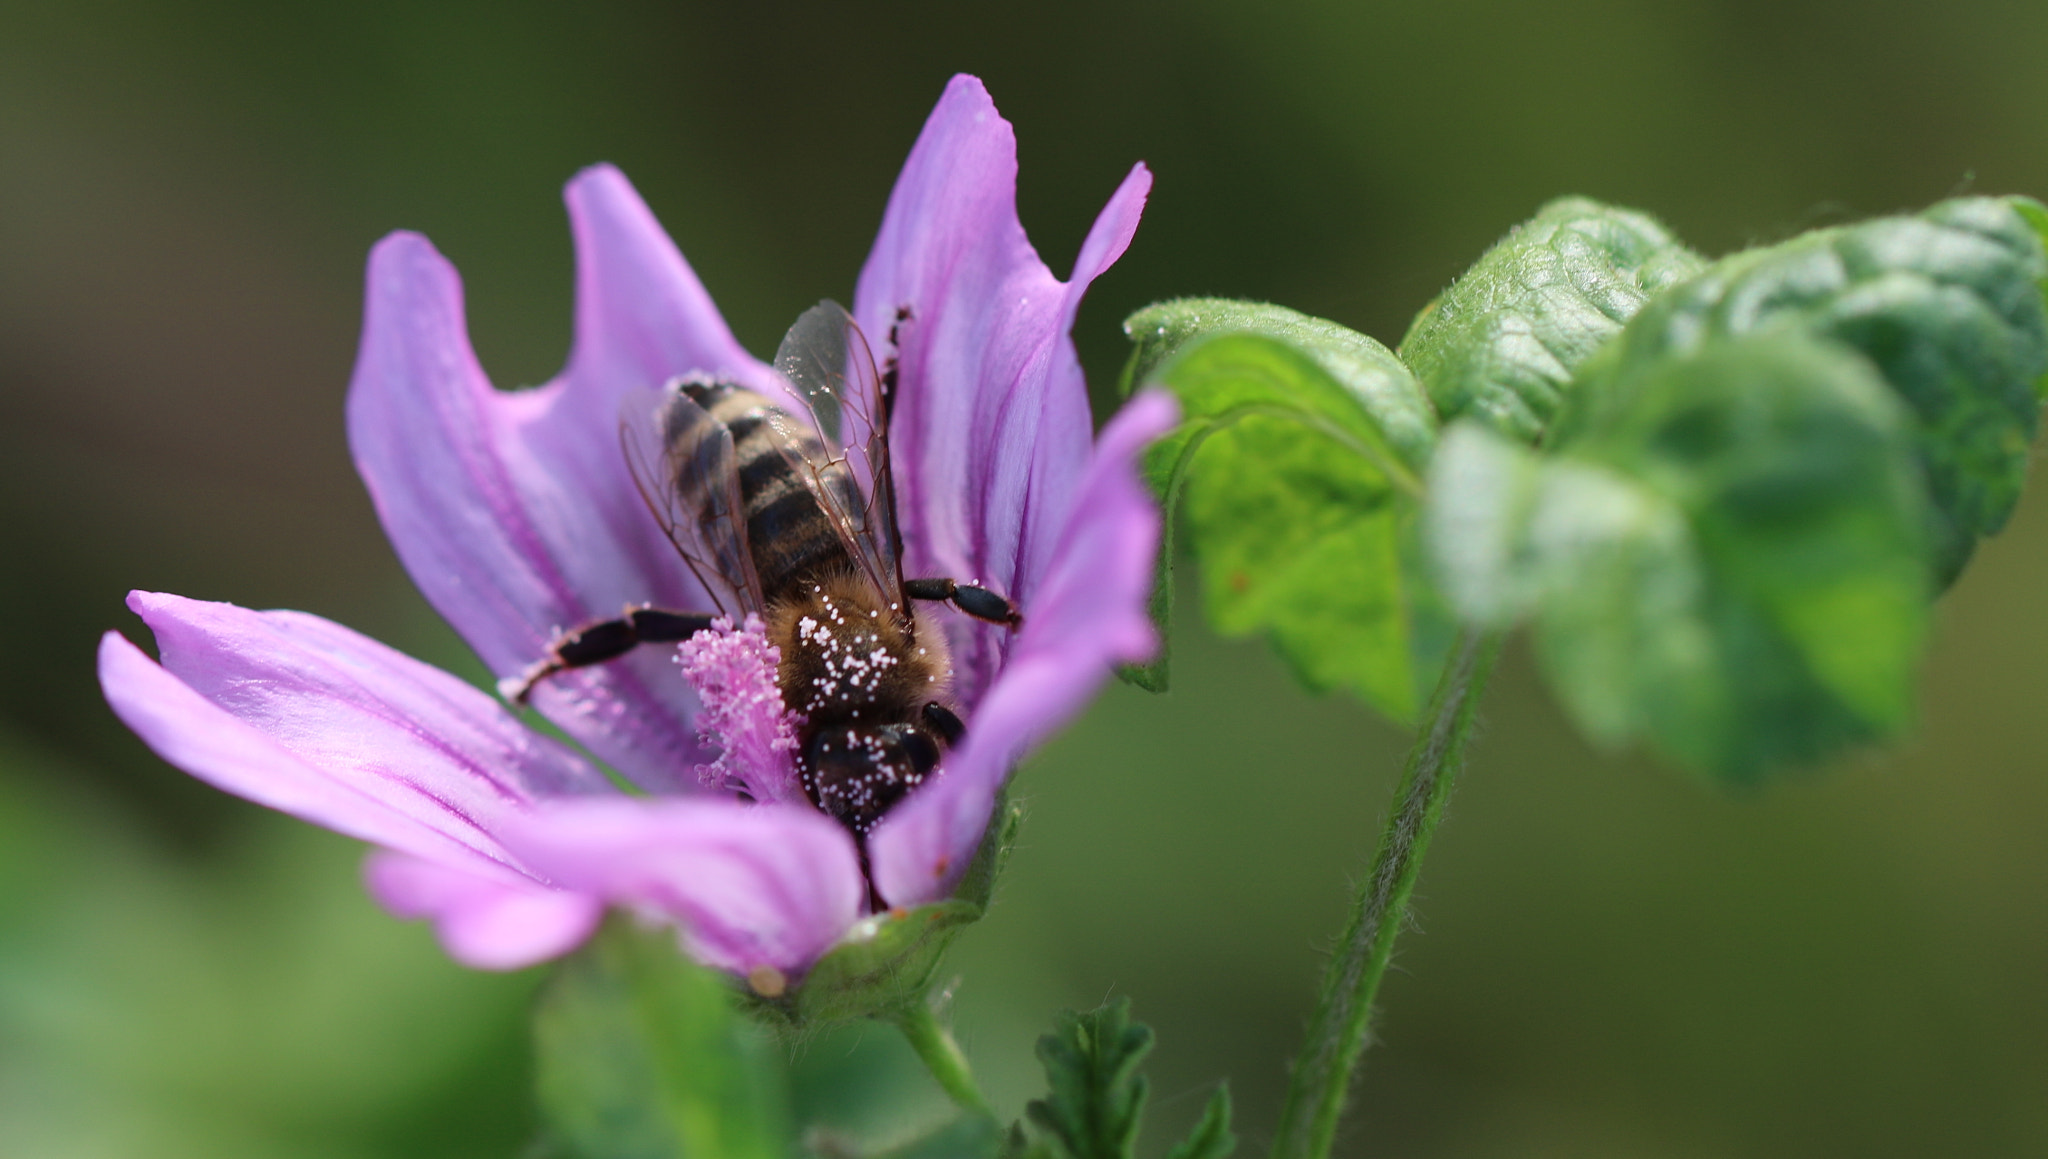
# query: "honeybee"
795,520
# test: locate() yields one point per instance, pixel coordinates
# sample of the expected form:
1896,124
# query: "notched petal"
991,428
1090,617
515,513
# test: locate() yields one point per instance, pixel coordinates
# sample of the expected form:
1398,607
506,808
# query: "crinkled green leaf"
1729,563
1211,1138
1947,305
641,1055
887,961
1097,1095
1295,473
1501,345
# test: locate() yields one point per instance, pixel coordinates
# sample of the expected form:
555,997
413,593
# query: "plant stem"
942,1056
1339,1034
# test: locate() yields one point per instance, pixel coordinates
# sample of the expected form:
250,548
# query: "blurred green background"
1611,960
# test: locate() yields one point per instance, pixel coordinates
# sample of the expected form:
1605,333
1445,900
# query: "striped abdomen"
792,539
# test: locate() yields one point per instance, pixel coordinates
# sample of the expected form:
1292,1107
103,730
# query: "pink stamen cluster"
733,672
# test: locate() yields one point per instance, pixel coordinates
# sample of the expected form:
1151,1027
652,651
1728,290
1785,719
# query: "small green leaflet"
1296,472
1211,1138
1097,1095
640,1055
1946,305
1729,563
1091,1063
1502,343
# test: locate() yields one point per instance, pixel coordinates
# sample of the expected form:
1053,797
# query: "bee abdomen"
789,533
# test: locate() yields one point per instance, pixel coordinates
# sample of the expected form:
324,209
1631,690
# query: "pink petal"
991,428
307,717
515,511
750,885
483,922
1090,615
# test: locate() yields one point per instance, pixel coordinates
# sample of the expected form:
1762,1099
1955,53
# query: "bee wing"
682,461
827,361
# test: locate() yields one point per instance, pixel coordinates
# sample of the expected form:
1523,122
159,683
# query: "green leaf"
1296,474
641,1055
1501,344
1366,373
1729,563
1946,305
1091,1064
1211,1138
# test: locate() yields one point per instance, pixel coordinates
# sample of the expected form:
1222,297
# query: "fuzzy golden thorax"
849,654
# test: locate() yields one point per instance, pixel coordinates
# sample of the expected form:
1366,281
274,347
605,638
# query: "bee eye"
923,754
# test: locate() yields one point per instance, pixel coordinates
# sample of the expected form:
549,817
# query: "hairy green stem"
1339,1034
941,1055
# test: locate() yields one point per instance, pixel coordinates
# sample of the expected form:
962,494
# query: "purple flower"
517,516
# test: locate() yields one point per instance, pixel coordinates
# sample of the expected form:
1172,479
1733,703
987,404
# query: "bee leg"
890,365
975,600
603,640
867,874
941,720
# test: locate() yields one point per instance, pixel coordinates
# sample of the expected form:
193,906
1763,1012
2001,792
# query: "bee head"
856,772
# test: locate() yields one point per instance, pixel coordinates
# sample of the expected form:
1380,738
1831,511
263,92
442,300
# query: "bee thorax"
844,654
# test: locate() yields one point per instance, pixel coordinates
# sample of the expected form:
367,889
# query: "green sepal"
1946,305
884,962
640,1054
1295,472
888,960
1211,1138
1097,1095
1502,343
1730,563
